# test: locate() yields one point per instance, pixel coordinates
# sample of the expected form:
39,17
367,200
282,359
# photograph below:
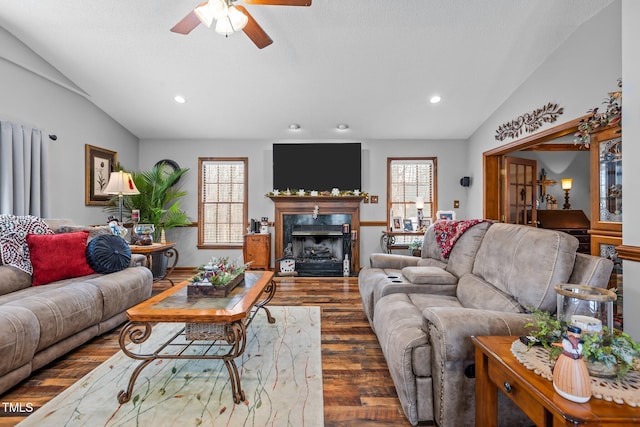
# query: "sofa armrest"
395,261
138,260
451,328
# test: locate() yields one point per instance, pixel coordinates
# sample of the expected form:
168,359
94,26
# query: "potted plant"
606,354
415,247
158,203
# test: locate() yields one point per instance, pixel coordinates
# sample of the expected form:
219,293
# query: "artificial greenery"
219,271
158,201
616,348
415,245
597,120
548,330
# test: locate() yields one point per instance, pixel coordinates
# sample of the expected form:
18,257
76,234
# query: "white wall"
631,154
452,160
34,94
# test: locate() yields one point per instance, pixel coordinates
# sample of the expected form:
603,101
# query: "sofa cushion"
108,254
58,256
473,292
13,239
433,275
525,263
94,232
464,251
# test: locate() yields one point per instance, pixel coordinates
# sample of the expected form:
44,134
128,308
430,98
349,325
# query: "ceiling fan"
230,18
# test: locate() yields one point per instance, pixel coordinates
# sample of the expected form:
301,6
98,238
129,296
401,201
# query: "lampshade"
566,183
121,183
419,202
235,21
215,9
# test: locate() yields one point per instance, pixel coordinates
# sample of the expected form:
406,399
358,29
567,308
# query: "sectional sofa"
425,310
41,323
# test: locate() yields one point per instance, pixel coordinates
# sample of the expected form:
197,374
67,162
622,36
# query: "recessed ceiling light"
342,126
294,126
180,99
435,99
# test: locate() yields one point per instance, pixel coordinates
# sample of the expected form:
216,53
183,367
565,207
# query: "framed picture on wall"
99,163
445,215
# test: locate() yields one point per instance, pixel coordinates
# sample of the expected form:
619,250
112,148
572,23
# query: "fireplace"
318,245
320,232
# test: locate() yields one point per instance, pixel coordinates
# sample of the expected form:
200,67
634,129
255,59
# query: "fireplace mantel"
301,205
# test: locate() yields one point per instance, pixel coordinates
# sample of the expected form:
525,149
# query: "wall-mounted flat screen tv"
317,166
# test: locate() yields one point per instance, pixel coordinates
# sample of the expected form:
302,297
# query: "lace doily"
626,390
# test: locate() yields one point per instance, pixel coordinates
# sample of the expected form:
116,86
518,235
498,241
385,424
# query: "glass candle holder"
586,307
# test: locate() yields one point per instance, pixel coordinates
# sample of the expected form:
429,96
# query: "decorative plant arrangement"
216,278
608,355
598,120
219,271
301,193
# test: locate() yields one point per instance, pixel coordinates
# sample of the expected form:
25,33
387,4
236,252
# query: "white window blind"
223,205
409,178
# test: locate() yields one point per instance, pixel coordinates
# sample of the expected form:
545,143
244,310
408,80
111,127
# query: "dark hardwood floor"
358,390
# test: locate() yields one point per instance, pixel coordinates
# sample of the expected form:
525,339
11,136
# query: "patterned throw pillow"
14,230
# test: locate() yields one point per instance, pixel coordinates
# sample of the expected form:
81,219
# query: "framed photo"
98,163
445,215
397,223
408,225
426,223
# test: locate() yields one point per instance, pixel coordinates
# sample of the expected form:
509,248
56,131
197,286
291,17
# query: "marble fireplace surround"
346,206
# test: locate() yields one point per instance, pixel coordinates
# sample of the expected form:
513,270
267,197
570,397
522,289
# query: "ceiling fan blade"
280,2
188,23
254,31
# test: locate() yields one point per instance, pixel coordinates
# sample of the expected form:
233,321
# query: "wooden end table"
208,322
167,249
497,368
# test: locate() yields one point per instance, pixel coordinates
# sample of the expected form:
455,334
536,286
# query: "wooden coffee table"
497,368
209,322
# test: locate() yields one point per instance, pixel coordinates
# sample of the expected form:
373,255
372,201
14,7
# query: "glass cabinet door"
610,172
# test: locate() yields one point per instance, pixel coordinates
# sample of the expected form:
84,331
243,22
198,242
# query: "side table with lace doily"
524,376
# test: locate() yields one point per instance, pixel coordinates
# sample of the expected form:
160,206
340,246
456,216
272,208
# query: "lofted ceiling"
371,64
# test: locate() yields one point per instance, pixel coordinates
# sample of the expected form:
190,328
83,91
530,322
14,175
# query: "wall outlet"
374,199
456,204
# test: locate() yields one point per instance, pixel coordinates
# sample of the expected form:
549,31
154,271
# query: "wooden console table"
497,368
388,239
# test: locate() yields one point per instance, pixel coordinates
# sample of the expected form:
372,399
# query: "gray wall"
36,95
452,160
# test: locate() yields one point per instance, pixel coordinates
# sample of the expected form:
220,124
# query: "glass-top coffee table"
211,323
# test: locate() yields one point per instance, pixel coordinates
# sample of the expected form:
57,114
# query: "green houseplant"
158,201
415,247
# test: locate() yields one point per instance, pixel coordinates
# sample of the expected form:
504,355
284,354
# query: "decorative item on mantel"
335,192
217,278
597,120
530,121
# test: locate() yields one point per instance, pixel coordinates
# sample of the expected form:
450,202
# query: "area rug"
281,375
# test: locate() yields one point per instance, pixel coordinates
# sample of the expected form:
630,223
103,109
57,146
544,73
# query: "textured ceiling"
371,64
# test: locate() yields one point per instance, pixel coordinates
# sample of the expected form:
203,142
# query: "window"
407,179
222,207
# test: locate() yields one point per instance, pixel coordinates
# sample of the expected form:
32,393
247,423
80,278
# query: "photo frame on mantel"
99,163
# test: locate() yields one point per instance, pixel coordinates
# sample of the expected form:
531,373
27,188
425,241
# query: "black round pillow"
108,254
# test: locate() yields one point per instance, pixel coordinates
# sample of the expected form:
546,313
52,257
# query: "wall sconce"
567,183
420,207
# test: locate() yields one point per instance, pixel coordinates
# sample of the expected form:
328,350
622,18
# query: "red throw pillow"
58,256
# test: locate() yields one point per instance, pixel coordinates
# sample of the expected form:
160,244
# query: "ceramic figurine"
570,376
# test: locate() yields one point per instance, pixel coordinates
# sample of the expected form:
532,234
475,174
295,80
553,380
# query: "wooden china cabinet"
606,202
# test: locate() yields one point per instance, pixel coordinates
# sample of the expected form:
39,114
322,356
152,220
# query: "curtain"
24,170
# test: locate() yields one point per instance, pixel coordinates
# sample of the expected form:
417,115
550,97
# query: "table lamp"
566,186
121,183
420,207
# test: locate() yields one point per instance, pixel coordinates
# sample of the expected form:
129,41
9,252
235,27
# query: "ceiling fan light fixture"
214,10
224,27
238,19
